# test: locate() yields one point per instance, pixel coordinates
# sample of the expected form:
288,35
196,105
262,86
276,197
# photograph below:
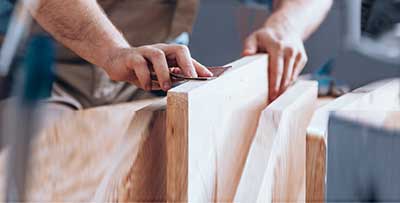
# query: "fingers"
158,59
142,73
290,59
201,70
275,72
182,56
301,61
287,56
250,46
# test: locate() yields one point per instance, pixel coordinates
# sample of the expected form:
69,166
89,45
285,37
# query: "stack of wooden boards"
208,141
376,105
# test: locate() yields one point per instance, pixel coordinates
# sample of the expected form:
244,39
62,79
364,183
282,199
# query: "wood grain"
216,122
275,166
376,104
208,141
92,155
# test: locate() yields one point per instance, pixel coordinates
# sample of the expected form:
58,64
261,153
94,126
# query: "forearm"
82,26
299,16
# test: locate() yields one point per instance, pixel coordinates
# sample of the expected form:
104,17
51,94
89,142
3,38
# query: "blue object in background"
38,68
5,14
267,3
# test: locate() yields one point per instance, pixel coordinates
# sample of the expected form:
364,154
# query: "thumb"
250,46
202,71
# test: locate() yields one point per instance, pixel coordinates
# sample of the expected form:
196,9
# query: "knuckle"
157,53
280,45
290,51
145,47
138,61
160,44
182,48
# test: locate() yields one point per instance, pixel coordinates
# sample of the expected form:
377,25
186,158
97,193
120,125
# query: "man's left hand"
287,55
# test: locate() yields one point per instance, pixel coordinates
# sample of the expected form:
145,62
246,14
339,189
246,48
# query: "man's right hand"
134,65
83,27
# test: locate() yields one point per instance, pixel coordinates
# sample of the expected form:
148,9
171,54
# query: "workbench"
207,141
215,140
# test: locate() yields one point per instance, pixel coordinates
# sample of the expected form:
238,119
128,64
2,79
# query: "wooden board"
218,130
278,149
377,104
202,143
93,155
216,122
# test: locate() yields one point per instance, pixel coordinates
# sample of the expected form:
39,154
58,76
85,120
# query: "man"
126,40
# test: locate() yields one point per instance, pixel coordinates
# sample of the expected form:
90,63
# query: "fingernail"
210,74
248,52
167,85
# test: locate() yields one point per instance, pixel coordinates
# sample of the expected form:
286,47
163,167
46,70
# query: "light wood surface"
275,166
92,155
207,141
376,104
216,122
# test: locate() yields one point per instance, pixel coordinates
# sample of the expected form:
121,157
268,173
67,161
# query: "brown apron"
81,85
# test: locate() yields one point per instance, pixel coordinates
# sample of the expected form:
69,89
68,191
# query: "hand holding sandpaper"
137,65
177,76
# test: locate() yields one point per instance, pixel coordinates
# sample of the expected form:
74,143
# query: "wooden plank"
196,150
93,155
210,128
278,149
376,104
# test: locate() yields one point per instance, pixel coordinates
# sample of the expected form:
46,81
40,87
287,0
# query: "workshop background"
222,25
218,35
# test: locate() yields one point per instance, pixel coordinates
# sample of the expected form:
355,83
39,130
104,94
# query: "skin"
84,28
282,36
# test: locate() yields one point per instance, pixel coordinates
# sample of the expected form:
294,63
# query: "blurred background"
221,27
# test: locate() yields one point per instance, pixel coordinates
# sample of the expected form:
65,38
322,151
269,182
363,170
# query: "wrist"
111,55
283,24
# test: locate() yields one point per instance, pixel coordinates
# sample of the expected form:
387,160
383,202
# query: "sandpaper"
216,70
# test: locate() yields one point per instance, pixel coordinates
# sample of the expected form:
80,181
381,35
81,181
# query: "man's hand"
135,65
282,35
84,28
287,56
